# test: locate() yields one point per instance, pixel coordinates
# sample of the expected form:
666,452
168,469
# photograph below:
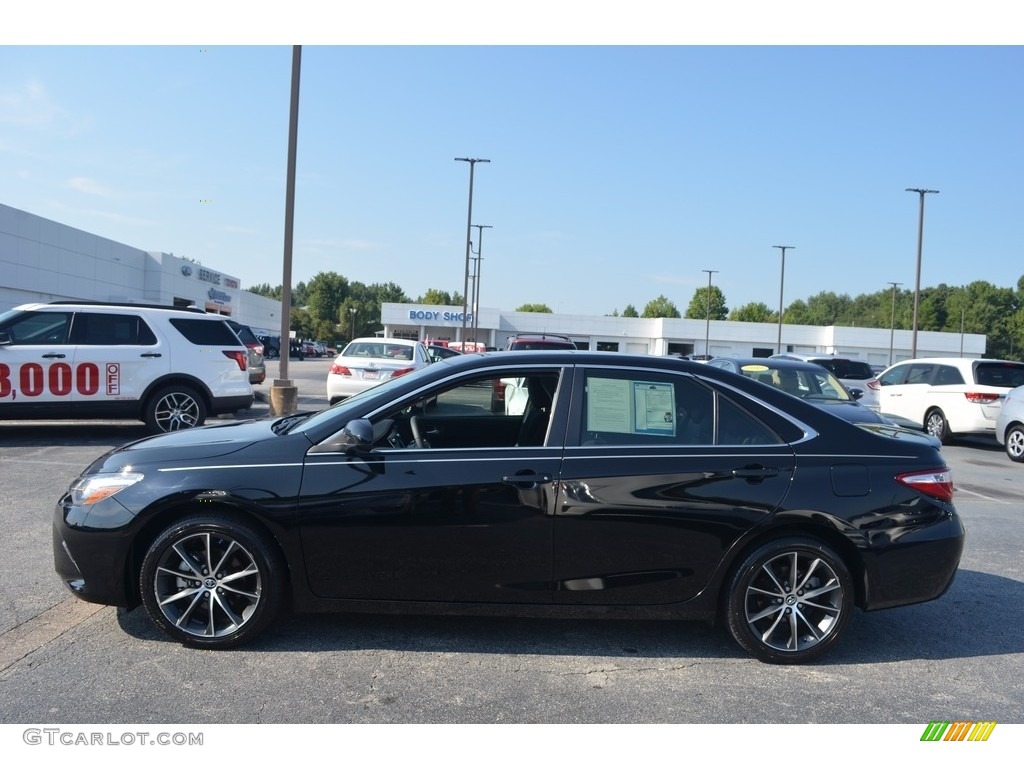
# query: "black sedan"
627,486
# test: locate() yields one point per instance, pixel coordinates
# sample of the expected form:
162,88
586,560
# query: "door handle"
53,356
150,354
755,474
526,481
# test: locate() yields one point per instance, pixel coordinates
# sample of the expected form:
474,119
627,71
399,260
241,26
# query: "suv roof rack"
527,334
127,304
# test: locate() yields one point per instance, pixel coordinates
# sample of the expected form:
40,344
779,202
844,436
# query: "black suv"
539,341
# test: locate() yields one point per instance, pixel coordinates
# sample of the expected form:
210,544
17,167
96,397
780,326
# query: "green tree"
533,308
302,324
435,296
630,311
660,307
755,312
326,293
698,309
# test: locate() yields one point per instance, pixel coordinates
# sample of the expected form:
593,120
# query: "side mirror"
856,393
357,434
5,338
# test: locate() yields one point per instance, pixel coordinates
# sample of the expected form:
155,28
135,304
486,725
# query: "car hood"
193,444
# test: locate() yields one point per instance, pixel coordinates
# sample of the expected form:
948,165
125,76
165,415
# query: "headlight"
88,490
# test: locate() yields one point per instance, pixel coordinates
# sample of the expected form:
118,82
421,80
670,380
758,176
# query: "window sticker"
630,407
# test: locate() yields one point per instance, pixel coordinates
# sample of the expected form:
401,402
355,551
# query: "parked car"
631,486
1010,424
366,362
949,396
254,363
271,345
806,380
165,366
852,373
521,341
441,353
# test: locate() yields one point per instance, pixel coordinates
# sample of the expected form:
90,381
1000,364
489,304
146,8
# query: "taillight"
873,384
340,370
982,398
238,357
401,372
937,483
257,348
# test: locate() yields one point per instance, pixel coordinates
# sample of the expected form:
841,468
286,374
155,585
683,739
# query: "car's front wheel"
211,581
935,424
174,408
789,601
1015,443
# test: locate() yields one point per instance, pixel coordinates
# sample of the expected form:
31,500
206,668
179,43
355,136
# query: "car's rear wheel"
935,424
212,581
1015,443
789,601
174,408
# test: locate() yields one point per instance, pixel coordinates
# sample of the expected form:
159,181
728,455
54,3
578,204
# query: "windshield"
809,383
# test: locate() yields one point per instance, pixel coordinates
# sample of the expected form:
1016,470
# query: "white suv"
167,367
949,395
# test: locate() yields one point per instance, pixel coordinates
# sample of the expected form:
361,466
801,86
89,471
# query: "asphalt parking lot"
64,661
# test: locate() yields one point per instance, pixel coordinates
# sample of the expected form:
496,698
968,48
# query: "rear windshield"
999,374
847,369
213,333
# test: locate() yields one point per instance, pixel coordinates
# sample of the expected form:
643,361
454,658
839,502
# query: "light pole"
917,280
892,320
782,283
707,326
352,314
476,278
469,219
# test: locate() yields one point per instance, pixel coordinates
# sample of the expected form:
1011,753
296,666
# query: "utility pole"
892,321
469,222
917,280
707,326
476,278
782,283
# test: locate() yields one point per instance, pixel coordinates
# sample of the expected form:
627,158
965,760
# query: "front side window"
38,328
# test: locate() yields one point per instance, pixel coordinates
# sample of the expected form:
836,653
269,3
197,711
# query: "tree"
755,312
660,307
327,291
533,308
436,296
630,311
698,309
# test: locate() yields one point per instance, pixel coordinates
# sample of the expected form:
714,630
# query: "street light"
352,313
782,282
892,321
469,219
917,280
476,277
707,327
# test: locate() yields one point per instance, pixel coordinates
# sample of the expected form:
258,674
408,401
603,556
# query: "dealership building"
42,260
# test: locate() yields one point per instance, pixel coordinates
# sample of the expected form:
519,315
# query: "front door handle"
53,356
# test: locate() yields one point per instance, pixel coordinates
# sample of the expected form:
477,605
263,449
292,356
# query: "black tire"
1015,443
782,619
935,424
212,581
173,408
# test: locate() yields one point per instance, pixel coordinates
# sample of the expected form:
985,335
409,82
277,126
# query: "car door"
662,473
36,375
904,390
117,355
447,506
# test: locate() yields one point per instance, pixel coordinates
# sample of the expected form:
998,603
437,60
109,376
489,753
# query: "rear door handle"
53,356
755,474
150,354
526,481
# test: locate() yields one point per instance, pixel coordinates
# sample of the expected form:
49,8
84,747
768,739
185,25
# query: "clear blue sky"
616,174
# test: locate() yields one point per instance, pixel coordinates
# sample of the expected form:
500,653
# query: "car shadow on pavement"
977,617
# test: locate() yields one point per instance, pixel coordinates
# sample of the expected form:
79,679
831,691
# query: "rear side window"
948,375
206,333
1000,374
111,330
847,369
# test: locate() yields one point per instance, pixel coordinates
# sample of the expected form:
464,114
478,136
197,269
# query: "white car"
366,362
1010,424
949,396
165,366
